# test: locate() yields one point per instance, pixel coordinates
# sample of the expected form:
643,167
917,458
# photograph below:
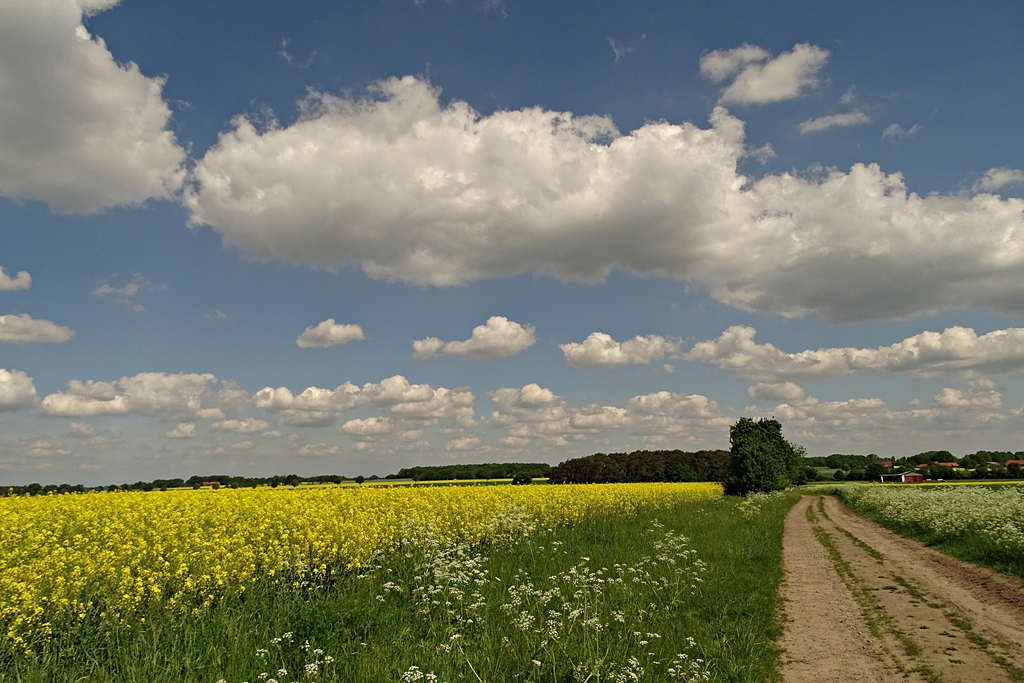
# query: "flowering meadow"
113,558
978,523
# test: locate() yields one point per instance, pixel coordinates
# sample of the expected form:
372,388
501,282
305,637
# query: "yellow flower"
119,554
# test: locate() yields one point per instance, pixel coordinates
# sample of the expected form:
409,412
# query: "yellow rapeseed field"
116,556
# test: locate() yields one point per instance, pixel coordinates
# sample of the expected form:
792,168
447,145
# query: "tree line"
197,481
508,470
489,470
642,466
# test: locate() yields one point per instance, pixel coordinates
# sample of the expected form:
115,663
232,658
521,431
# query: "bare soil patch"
864,604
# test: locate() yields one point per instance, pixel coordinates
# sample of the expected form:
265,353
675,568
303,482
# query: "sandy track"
863,604
825,639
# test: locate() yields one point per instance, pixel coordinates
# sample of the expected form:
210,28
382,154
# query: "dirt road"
863,604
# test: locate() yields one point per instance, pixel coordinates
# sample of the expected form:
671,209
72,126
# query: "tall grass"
610,598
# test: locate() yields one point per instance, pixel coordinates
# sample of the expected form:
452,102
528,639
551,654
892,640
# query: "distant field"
980,522
980,482
392,482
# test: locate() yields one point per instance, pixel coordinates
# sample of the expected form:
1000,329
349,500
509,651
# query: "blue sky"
349,237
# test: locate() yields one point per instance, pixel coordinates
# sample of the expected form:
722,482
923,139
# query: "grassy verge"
640,597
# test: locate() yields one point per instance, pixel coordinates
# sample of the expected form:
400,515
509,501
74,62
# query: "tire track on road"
864,604
826,638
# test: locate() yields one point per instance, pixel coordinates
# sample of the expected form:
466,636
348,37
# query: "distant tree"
360,479
521,478
811,474
874,470
762,459
685,473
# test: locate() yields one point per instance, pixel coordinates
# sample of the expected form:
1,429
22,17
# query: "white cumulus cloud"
317,450
10,284
313,407
844,120
403,401
600,349
156,394
463,443
414,435
757,78
719,65
980,393
414,190
536,416
498,338
954,352
422,349
78,130
249,426
371,426
24,329
993,180
420,401
17,391
328,333
777,391
184,430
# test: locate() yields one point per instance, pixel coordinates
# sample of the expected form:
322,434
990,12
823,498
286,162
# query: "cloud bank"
157,394
316,407
954,352
418,191
534,416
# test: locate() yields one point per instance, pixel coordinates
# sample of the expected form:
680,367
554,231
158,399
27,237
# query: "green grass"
730,613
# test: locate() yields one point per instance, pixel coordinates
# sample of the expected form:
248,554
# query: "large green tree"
762,459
